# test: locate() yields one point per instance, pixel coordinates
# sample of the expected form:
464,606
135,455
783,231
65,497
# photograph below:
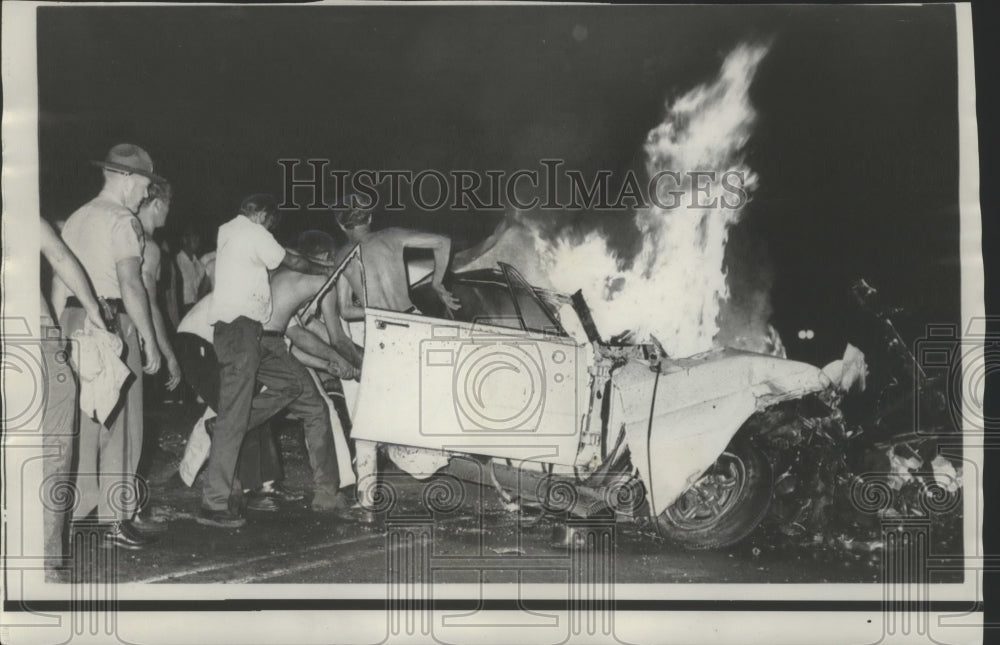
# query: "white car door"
506,384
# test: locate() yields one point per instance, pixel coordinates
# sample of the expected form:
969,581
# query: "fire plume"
673,289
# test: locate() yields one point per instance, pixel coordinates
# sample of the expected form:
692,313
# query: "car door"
505,381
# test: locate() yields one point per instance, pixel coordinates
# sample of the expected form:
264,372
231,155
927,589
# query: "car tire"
725,505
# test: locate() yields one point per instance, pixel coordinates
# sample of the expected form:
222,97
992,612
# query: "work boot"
122,535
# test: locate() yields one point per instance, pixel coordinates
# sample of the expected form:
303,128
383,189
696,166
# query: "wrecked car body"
518,390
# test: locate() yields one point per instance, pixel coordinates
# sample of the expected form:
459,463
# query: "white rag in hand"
196,451
97,359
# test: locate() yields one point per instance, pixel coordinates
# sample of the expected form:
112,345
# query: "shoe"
325,501
279,491
145,523
221,519
358,514
258,502
129,528
119,535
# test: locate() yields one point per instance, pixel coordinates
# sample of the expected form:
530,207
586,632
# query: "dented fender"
677,420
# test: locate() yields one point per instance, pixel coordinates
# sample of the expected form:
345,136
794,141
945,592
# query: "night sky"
856,144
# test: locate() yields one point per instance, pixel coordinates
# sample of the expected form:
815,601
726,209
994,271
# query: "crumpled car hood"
679,420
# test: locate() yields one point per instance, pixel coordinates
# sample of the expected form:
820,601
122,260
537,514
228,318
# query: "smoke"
673,290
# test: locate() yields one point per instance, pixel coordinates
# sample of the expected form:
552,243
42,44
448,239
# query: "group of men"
242,348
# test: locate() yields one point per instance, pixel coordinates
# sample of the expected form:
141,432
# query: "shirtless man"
290,290
380,282
385,283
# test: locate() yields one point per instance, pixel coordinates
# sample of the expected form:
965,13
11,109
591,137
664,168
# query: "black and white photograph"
484,322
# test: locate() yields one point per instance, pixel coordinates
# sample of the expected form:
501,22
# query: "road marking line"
227,565
312,565
273,573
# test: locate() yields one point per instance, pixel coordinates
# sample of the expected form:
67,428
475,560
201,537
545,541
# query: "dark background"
856,144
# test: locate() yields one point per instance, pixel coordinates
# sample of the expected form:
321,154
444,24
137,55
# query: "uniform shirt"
245,251
197,320
101,233
192,273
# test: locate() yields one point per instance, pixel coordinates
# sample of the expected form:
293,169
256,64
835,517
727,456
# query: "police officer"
107,238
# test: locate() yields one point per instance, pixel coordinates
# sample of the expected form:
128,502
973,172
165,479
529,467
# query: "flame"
674,288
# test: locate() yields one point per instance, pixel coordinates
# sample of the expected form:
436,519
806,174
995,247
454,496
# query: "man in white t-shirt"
241,304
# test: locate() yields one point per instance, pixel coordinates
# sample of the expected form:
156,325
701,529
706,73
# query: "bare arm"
441,245
309,360
68,268
335,330
310,343
349,284
137,307
160,328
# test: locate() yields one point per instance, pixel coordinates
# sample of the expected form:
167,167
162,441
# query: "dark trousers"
258,458
247,356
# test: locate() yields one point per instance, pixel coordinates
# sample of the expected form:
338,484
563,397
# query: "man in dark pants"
289,292
258,467
241,305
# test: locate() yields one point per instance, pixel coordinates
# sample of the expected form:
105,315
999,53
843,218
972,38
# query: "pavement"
477,535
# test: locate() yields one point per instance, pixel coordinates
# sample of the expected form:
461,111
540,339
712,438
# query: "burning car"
518,389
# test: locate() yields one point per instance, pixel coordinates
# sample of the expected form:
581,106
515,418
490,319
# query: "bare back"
289,291
386,284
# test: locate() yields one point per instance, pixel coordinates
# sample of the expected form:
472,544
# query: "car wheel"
725,504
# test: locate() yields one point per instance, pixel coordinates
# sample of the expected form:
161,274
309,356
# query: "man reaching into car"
385,282
290,290
380,282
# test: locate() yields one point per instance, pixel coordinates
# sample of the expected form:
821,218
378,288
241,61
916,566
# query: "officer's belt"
116,304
